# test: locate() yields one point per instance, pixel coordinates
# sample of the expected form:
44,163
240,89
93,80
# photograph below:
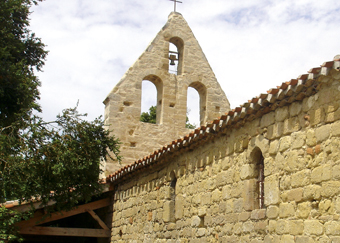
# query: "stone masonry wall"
214,199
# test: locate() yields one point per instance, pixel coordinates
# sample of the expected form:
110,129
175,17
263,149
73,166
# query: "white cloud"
252,45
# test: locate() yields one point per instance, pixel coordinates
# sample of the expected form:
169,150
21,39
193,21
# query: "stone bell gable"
123,104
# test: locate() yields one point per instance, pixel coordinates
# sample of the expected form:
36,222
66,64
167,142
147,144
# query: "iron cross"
175,1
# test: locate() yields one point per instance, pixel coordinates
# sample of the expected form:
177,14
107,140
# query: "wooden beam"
57,231
99,220
36,220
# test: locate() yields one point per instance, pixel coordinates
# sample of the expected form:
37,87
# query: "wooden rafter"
100,222
58,231
37,220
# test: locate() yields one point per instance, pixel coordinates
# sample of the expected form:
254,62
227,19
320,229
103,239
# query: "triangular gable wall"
123,104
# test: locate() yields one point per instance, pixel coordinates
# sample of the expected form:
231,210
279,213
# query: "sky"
251,45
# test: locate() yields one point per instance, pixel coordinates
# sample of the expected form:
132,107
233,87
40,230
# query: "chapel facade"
123,104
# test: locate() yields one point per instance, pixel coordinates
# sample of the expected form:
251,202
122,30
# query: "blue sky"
252,45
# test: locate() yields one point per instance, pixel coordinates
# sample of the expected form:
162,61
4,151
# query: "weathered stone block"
248,227
272,212
287,210
258,214
282,227
335,129
326,207
321,173
313,227
261,226
225,177
330,188
336,172
298,140
244,216
281,113
248,171
316,116
274,147
295,108
304,239
310,138
249,194
312,192
271,190
285,143
291,125
295,195
179,207
322,133
197,221
301,178
296,227
201,232
168,211
267,119
287,239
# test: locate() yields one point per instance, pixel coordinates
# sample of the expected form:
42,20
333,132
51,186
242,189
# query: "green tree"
188,124
150,116
57,160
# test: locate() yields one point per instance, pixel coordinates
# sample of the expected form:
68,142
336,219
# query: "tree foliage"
150,116
40,160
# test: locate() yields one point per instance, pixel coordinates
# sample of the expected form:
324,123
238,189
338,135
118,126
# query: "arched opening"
193,108
258,162
202,94
175,55
173,183
260,181
151,99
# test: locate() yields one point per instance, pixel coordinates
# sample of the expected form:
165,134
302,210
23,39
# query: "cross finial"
175,1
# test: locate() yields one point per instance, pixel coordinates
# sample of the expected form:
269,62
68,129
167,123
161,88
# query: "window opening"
173,195
260,182
148,102
200,92
193,108
173,58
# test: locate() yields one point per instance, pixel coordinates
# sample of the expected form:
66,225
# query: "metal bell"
172,60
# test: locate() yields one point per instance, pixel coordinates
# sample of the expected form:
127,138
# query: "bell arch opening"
202,93
193,108
176,46
151,99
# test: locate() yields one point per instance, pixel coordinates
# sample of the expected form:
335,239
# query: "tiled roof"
296,89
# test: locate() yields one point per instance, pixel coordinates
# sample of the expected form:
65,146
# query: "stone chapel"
266,171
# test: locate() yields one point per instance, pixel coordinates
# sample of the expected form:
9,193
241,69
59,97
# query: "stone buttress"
123,104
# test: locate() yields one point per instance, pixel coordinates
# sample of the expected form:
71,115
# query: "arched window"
172,195
152,94
149,96
202,92
258,165
193,107
260,181
175,55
